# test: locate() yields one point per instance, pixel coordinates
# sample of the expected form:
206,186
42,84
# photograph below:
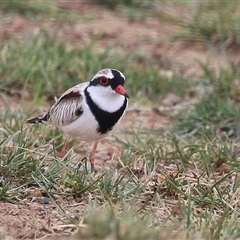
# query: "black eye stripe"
113,81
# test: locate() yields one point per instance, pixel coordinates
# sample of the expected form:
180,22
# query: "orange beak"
121,90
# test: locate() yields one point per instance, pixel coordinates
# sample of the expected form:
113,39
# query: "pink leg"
92,156
64,150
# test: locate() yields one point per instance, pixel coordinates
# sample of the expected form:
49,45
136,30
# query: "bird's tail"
39,119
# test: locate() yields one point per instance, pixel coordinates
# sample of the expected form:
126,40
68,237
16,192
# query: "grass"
217,113
131,3
168,179
214,22
180,183
36,11
50,68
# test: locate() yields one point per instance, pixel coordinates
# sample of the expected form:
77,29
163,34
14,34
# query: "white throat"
106,98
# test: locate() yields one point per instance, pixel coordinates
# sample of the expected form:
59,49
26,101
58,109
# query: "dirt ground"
36,219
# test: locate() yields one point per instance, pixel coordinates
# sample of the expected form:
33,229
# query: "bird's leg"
64,150
92,156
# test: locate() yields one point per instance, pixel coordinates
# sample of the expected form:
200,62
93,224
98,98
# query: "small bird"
89,111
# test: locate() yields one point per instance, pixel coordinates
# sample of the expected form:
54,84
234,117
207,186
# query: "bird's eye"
103,80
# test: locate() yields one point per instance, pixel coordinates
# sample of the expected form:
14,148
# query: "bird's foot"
61,153
65,149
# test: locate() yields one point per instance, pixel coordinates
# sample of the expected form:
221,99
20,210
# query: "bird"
88,111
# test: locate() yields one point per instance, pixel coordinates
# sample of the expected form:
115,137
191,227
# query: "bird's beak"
121,90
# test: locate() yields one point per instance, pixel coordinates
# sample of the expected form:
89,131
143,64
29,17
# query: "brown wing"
67,109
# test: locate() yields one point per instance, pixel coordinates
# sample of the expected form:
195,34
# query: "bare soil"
35,219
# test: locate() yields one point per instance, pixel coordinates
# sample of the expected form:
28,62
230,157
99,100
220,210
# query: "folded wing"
66,110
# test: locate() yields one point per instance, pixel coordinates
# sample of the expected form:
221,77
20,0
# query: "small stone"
46,200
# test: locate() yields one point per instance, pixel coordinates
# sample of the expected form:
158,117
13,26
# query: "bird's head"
110,81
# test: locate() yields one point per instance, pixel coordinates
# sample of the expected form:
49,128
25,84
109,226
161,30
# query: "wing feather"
66,110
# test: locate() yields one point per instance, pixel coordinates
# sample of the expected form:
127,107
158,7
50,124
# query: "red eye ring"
104,81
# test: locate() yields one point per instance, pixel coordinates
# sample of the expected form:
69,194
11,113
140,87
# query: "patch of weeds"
32,9
225,227
210,224
80,182
39,63
25,160
213,22
193,166
129,3
211,115
117,186
204,152
161,180
127,224
18,161
199,192
156,86
226,83
145,152
218,112
11,121
6,192
144,148
46,67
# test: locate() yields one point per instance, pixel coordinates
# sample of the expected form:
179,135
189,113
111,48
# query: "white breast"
84,128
